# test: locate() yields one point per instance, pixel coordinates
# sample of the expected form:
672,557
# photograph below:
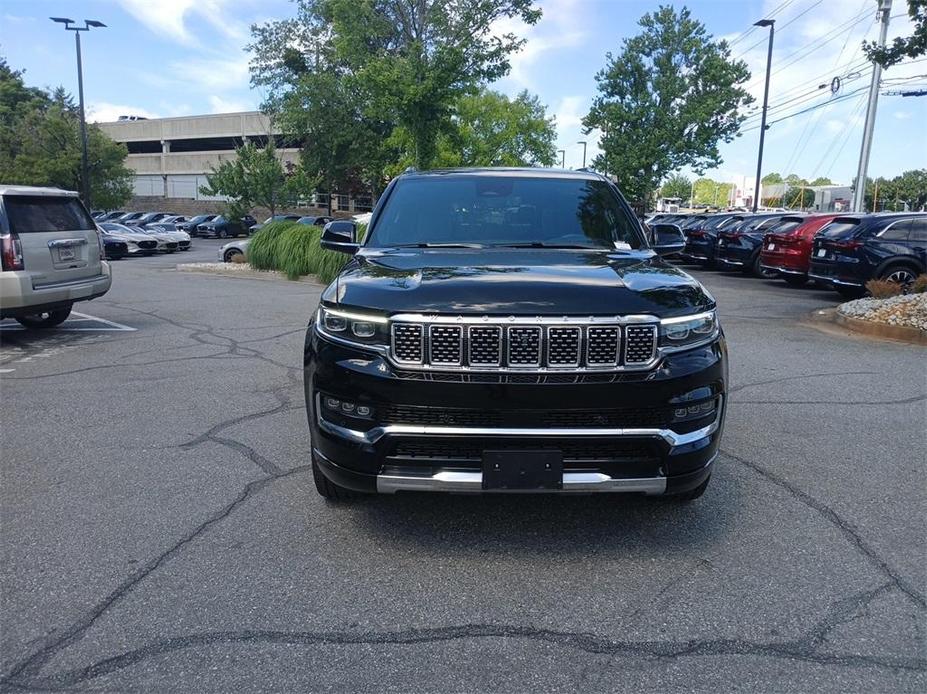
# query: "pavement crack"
840,523
22,674
903,401
783,379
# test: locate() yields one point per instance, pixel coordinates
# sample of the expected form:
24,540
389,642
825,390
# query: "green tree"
772,179
712,193
255,177
821,181
40,143
411,60
912,46
677,186
666,101
910,188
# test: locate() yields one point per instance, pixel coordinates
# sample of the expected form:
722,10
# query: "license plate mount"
65,253
771,247
822,252
523,470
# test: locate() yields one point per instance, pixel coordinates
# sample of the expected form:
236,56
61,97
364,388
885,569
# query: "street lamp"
771,23
562,153
84,166
583,143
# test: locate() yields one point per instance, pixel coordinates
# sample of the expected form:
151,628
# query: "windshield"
503,211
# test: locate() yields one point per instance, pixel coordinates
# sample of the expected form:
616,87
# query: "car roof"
506,171
34,190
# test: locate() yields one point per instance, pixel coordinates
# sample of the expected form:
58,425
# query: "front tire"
223,234
45,320
230,254
328,489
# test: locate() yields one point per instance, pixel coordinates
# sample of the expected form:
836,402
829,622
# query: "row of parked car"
841,251
204,225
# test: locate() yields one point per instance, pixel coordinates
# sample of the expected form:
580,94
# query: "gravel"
908,310
239,270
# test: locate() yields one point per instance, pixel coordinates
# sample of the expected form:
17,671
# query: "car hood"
517,282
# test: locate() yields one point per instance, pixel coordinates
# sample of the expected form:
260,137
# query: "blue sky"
179,57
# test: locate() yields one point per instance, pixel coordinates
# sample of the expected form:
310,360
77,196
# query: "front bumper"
435,455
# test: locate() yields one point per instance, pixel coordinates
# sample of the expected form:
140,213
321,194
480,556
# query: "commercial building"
171,156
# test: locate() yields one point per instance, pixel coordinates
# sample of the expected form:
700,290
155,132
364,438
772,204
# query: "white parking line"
83,318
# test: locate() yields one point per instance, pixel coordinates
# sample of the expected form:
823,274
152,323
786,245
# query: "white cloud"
105,112
902,115
570,112
219,105
212,74
169,17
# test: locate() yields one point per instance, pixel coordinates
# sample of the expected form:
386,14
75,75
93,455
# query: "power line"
791,21
753,28
835,100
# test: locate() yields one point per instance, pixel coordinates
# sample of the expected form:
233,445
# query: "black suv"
854,249
222,228
702,238
739,246
512,330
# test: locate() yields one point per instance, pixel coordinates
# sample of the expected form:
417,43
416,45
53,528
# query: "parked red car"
787,246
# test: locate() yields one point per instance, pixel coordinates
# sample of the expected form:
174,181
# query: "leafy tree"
712,193
412,60
772,179
489,129
666,101
254,178
677,186
821,181
40,143
908,189
911,46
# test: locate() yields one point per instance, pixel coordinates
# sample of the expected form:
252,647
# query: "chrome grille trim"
524,344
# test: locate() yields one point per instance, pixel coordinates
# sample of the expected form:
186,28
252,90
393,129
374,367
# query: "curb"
901,333
866,328
263,275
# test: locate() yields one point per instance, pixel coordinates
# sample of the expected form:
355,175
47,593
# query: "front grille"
484,347
639,344
575,450
615,418
147,245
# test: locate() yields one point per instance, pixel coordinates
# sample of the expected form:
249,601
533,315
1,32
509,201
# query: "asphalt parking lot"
161,531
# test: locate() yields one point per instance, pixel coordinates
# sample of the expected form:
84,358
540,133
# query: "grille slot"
563,346
445,344
640,344
407,343
485,345
524,346
639,417
602,346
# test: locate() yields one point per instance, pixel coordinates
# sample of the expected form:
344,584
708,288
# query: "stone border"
868,328
249,274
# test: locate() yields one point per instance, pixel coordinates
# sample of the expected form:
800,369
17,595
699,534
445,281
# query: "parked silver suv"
51,255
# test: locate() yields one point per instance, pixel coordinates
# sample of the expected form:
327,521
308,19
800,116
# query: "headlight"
686,332
362,329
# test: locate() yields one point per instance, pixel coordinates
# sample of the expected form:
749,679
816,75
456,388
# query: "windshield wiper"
439,245
539,244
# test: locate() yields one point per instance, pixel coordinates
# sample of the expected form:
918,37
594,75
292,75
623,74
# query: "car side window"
897,231
919,230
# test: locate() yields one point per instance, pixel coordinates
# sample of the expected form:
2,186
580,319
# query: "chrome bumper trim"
833,280
783,270
461,481
726,261
375,434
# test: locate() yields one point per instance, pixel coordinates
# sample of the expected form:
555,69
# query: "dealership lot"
161,530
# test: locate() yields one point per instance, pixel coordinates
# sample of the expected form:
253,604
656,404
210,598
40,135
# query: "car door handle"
66,242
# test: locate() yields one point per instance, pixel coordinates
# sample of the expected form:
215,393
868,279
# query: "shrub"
883,289
298,251
920,285
262,248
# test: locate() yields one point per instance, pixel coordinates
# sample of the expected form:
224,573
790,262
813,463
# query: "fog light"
332,403
702,409
363,411
347,407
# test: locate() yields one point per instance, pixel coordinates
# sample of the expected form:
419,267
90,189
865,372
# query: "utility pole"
562,153
692,196
84,162
583,143
859,192
771,23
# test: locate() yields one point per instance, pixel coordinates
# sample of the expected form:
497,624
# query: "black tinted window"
840,228
897,231
919,229
500,210
785,226
37,213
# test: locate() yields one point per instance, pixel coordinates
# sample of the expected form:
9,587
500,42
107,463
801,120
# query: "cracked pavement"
160,529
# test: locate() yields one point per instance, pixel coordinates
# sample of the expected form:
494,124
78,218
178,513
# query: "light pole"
84,166
583,143
562,153
771,23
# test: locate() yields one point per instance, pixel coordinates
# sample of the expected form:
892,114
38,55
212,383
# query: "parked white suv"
51,255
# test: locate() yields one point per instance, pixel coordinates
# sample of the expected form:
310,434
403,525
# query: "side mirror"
340,235
667,239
